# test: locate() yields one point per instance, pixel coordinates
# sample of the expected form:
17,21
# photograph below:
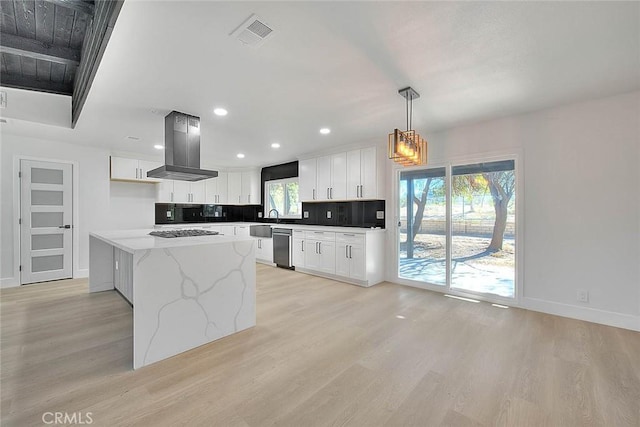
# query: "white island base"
185,292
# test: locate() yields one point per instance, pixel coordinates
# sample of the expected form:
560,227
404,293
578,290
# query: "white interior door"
46,227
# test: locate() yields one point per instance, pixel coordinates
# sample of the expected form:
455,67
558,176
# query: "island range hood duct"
181,150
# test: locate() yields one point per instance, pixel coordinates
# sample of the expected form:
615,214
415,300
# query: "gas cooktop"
182,233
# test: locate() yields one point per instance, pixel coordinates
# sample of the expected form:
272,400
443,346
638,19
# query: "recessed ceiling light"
158,147
220,112
325,131
275,145
240,156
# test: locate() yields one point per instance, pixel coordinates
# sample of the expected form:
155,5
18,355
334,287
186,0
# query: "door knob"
64,226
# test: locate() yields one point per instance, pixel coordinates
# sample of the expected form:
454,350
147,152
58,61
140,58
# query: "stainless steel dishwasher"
282,247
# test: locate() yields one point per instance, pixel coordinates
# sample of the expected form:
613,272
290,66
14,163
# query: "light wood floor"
323,353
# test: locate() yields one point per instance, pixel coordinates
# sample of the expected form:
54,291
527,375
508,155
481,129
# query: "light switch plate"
328,214
305,214
168,214
259,214
379,214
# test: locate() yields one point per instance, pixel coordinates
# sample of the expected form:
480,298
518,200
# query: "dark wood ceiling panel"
70,74
12,62
25,13
45,14
57,72
79,30
63,26
28,67
19,82
43,70
8,22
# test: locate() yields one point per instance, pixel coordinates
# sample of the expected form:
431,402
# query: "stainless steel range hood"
181,150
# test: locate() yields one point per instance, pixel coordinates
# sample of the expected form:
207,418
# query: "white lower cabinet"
235,230
350,256
264,249
320,251
123,273
356,257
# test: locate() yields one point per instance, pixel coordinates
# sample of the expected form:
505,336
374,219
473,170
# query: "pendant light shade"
408,148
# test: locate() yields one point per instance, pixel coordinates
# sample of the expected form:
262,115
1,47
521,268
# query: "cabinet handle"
316,247
331,192
346,251
302,245
350,247
314,194
327,193
320,247
136,173
172,196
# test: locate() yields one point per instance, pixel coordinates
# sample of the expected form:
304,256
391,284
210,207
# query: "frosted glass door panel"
46,219
46,198
47,241
47,263
46,176
46,227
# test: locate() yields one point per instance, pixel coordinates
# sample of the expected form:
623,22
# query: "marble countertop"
140,240
356,230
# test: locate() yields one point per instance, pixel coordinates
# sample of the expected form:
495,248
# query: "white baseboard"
78,274
625,321
9,282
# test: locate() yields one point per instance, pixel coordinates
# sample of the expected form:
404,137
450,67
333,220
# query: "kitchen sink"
260,230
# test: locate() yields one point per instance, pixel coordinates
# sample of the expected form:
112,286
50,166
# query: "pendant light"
408,148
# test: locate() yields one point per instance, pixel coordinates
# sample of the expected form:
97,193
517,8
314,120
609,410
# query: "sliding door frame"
516,156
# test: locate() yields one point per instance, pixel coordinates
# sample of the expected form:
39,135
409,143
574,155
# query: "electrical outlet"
305,214
582,296
328,214
379,214
259,214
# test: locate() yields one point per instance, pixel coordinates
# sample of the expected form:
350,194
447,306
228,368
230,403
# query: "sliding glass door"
423,218
461,220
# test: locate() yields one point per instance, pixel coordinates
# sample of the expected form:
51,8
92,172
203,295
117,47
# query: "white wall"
581,203
103,204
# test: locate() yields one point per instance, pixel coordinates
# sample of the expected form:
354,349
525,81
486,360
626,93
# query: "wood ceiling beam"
10,43
77,5
93,47
21,82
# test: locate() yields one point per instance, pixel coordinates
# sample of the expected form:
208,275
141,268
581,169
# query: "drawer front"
350,238
325,236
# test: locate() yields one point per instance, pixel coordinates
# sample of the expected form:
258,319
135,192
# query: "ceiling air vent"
252,32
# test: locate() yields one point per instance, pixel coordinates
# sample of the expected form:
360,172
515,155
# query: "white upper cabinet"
323,178
216,189
250,193
331,177
197,192
338,189
169,191
181,192
307,180
234,188
362,176
123,169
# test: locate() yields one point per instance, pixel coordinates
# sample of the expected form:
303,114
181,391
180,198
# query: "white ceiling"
340,65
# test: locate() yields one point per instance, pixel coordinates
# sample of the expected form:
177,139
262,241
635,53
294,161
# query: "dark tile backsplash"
369,213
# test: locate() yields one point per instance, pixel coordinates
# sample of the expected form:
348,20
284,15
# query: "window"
282,195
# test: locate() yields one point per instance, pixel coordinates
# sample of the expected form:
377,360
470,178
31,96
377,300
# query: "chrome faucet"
277,215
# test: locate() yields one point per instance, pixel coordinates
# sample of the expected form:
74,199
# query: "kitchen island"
185,291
